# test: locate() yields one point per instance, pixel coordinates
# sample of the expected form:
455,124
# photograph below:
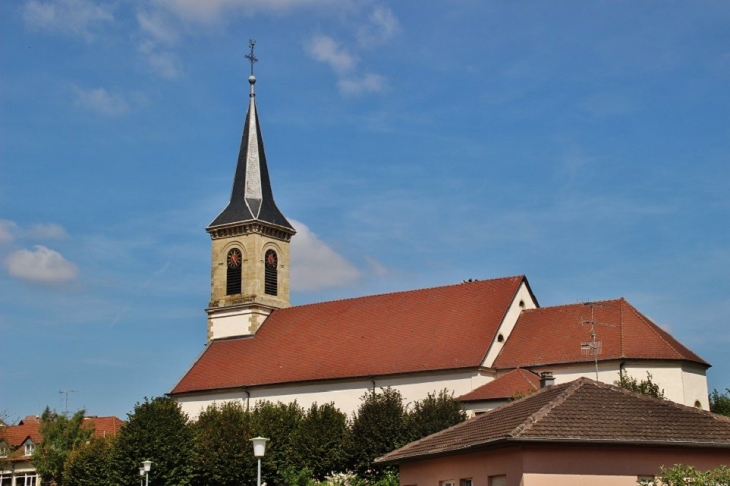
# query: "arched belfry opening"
271,273
234,277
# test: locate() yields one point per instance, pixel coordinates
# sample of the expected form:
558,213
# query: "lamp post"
141,475
259,449
146,466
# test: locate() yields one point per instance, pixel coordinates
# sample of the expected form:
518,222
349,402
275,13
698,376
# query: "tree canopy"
61,434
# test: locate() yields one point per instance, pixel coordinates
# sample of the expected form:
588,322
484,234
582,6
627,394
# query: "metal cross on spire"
251,57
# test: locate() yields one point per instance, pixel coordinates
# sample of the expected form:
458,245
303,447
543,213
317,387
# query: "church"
486,341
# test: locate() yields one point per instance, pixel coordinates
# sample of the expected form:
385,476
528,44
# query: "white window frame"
28,448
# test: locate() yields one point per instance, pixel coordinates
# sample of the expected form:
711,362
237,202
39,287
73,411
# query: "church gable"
562,334
443,328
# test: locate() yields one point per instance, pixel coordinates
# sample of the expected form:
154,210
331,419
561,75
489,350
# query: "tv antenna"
594,346
67,392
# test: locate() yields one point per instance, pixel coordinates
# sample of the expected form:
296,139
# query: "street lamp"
259,449
146,466
141,475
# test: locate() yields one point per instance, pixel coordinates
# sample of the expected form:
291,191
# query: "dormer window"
29,448
3,449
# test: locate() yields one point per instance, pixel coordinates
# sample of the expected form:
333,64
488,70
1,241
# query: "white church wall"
683,384
346,394
508,323
694,379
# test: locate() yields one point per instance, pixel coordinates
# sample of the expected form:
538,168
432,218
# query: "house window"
30,480
450,482
498,480
465,482
3,449
234,264
271,279
29,448
645,480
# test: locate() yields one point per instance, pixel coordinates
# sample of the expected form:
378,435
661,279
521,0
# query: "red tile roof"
422,330
15,435
552,335
104,426
515,382
582,411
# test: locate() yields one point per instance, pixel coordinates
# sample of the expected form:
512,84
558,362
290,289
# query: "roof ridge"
664,401
618,299
548,407
345,299
520,370
651,325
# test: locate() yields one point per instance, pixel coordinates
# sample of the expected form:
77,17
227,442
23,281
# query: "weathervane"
251,57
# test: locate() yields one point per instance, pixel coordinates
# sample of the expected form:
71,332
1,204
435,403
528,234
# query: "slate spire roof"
251,198
582,411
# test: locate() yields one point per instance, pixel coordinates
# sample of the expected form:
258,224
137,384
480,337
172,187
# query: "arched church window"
234,262
271,283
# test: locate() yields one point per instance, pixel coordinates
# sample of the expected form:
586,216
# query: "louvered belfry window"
271,283
234,263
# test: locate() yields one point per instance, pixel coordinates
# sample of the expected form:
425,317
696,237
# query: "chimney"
546,379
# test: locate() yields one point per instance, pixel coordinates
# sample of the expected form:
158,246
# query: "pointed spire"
251,198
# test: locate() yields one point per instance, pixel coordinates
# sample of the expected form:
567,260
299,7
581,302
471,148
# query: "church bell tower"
250,239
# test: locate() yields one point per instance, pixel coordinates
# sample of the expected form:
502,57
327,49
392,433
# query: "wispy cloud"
325,49
101,101
379,28
382,26
41,265
46,231
210,11
315,265
7,231
68,17
369,83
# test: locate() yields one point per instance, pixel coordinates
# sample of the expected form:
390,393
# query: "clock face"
270,258
234,258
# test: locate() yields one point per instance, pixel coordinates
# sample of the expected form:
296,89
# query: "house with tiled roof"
457,337
17,443
575,433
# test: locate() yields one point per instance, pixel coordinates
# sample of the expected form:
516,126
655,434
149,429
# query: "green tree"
157,430
276,422
720,402
222,452
318,443
88,465
379,426
61,434
645,387
683,475
434,413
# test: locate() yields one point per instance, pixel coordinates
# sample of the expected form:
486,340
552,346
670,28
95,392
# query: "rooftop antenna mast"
67,392
593,346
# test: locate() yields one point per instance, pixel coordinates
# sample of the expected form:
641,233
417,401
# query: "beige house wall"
559,465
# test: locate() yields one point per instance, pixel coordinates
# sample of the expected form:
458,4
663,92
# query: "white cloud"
40,265
382,26
370,83
101,101
325,49
7,231
46,231
156,26
315,265
69,17
209,11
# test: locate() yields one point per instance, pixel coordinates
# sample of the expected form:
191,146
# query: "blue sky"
583,144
